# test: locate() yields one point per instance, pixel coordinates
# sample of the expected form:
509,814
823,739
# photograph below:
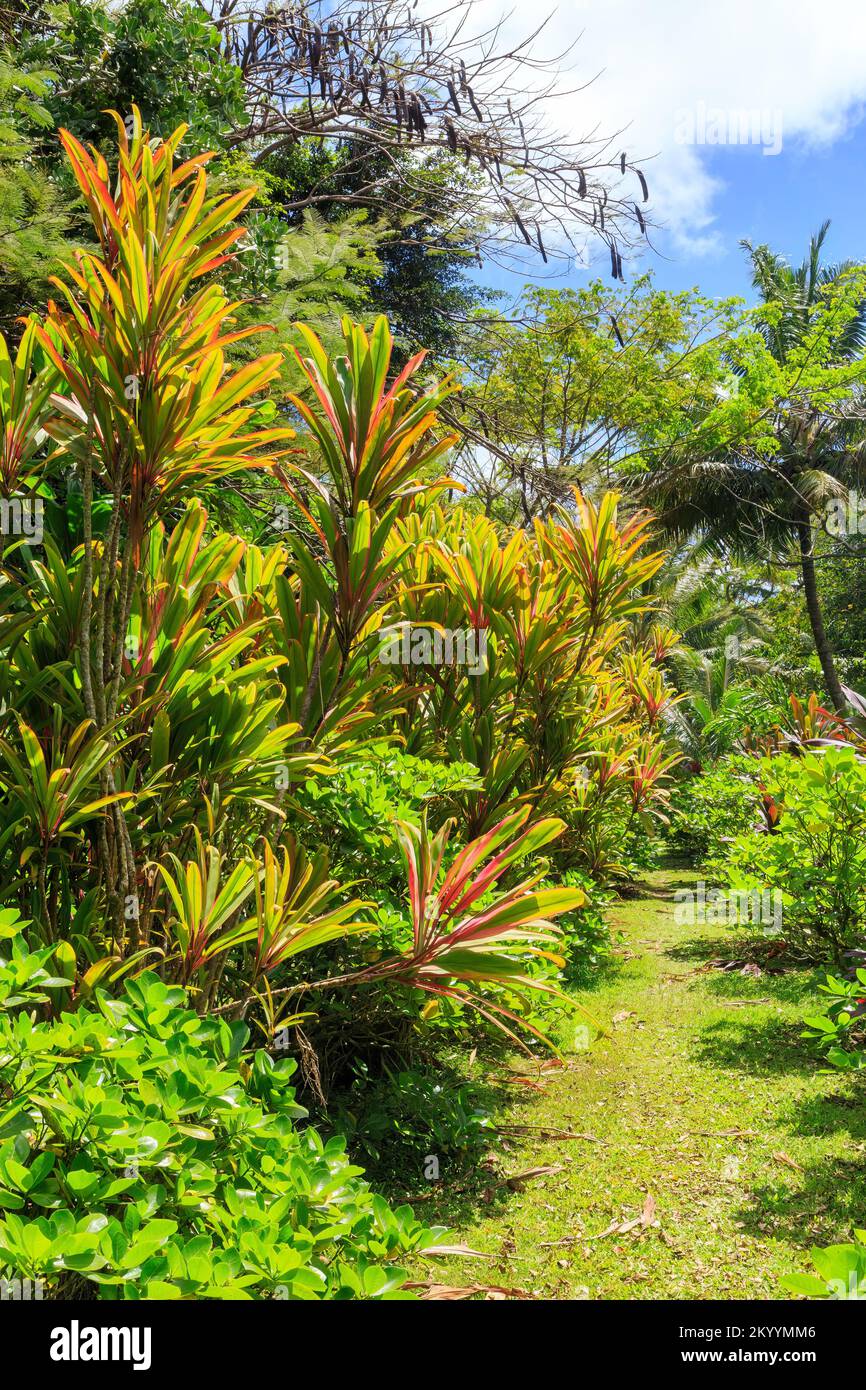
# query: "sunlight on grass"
705,1100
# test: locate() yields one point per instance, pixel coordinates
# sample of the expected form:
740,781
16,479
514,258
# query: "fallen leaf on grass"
536,1066
733,1133
671,1244
526,1081
491,1292
547,1133
789,1162
441,1251
622,1228
519,1178
622,1016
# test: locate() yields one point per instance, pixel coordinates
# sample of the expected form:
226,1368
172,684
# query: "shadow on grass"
823,1210
394,1137
704,948
657,892
737,946
587,977
844,1111
767,1048
793,987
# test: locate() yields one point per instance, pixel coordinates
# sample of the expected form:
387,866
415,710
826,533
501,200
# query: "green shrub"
708,811
816,855
356,808
841,1272
840,1032
143,1154
839,1035
586,941
640,850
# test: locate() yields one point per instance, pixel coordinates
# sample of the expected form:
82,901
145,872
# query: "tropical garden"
433,732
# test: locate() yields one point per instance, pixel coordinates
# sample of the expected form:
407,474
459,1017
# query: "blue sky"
675,77
780,200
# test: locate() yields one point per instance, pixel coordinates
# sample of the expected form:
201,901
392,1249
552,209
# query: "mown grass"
704,1099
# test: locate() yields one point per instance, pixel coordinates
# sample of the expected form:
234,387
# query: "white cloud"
659,59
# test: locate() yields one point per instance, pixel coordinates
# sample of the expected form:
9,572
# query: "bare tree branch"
378,77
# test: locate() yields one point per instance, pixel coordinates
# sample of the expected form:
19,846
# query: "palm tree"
748,502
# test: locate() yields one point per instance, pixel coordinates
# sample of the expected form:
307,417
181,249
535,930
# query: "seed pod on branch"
352,57
518,222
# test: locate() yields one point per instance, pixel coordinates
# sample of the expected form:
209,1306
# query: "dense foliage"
193,721
361,641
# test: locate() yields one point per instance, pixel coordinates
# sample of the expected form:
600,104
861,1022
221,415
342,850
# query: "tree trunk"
813,605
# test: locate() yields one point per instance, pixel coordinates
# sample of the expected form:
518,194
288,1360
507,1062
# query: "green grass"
703,1052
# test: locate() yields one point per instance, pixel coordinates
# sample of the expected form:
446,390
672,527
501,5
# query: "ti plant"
465,933
146,404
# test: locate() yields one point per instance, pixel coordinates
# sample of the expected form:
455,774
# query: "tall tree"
33,220
760,481
574,386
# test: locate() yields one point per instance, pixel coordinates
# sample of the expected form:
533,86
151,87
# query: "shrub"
841,1272
840,1038
585,942
403,1119
144,1154
815,856
357,808
839,1032
708,811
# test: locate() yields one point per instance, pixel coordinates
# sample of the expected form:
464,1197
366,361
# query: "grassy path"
705,1115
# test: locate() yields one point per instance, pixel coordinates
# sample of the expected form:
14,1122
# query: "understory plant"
814,854
840,1033
840,1272
710,809
341,780
144,1153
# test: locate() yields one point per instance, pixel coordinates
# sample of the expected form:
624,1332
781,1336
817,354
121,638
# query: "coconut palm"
754,501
